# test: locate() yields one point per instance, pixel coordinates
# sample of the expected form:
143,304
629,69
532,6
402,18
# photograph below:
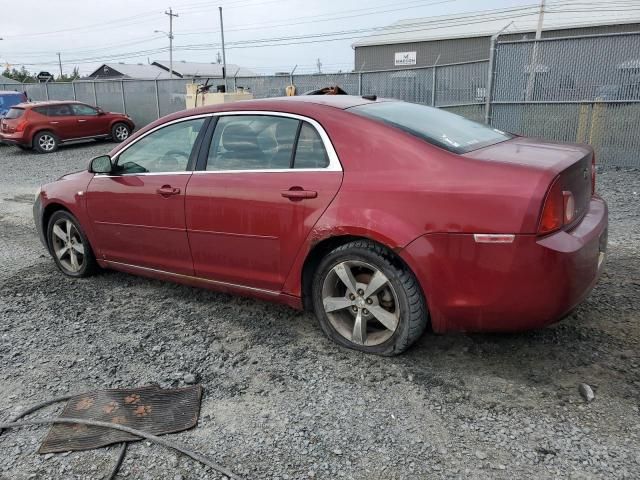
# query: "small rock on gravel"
587,392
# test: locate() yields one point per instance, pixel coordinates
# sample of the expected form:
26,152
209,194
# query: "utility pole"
60,64
534,55
171,15
319,65
224,57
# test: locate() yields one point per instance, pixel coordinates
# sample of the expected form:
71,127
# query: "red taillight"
21,126
552,217
593,174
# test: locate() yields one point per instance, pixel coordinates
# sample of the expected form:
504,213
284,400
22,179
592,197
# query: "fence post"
433,87
359,83
95,94
124,103
46,89
73,85
488,94
157,99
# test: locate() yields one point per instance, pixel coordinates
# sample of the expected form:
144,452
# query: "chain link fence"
574,89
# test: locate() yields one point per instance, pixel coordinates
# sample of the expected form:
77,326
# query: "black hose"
116,467
139,433
38,406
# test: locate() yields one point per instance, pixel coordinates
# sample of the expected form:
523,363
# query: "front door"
89,122
137,212
266,181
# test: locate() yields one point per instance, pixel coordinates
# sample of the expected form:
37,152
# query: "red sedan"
380,216
44,126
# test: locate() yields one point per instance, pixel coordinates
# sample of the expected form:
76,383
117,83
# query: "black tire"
23,147
116,132
89,265
413,313
45,142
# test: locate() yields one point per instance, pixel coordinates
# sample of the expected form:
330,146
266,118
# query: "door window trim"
334,161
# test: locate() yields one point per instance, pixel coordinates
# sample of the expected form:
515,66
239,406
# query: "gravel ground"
282,401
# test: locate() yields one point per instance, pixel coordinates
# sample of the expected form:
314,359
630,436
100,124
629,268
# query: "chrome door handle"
81,121
54,123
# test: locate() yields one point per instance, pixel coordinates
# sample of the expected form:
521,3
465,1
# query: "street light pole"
171,15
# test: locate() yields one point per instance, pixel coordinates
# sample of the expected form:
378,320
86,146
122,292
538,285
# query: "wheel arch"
39,130
322,248
47,213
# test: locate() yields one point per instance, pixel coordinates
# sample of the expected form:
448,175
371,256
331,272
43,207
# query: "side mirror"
100,111
101,164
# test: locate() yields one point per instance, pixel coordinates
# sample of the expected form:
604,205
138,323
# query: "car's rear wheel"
45,142
120,132
367,299
69,245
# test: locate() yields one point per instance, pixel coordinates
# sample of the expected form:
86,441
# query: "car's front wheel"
120,132
45,142
69,245
367,299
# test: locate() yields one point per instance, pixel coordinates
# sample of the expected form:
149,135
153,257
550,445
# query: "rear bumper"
14,139
526,284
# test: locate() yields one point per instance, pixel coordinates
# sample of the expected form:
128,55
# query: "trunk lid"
571,163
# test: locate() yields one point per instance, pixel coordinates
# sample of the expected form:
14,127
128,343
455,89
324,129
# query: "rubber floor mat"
150,409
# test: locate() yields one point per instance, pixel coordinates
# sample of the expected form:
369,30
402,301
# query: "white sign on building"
405,58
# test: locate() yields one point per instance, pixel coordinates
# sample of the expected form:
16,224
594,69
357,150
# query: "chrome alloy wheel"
360,303
67,245
47,143
121,133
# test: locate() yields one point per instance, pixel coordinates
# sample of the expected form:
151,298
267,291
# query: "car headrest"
286,132
239,138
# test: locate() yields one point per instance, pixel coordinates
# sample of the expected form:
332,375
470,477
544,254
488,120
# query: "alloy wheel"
360,303
47,143
121,132
67,245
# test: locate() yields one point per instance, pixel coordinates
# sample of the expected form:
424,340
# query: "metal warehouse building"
422,42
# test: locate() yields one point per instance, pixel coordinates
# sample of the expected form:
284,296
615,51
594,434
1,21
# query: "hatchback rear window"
14,113
438,127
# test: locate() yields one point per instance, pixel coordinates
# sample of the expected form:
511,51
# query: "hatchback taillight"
21,126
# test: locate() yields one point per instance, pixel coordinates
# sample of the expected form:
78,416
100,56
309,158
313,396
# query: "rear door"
248,208
60,119
137,213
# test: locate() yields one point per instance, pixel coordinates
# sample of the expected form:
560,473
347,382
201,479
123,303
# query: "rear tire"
382,312
120,132
69,246
45,142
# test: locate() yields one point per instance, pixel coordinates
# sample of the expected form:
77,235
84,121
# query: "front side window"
84,110
438,127
165,150
252,142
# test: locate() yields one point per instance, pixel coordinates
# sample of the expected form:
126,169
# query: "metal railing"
574,89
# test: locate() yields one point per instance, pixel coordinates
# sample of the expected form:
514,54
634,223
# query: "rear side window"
60,111
14,113
438,127
310,151
252,142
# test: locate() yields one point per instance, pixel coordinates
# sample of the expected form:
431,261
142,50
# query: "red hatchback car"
43,126
380,216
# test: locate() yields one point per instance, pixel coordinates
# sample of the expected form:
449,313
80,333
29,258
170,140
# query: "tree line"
23,75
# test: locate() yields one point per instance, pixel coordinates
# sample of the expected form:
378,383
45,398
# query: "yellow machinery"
199,96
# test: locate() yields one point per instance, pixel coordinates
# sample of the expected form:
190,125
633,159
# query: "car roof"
46,103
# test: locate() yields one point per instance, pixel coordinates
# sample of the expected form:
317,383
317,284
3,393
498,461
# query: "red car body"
467,225
26,120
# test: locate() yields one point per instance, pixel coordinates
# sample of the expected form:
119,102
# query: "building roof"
487,23
4,79
139,71
203,69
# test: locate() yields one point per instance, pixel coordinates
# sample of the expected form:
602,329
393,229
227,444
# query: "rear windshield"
438,127
14,113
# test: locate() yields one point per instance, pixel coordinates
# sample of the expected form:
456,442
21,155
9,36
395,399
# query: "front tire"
45,142
366,299
120,132
69,246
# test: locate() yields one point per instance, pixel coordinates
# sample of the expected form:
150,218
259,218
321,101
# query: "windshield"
438,127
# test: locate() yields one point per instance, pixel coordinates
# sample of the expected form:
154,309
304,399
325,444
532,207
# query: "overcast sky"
86,32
